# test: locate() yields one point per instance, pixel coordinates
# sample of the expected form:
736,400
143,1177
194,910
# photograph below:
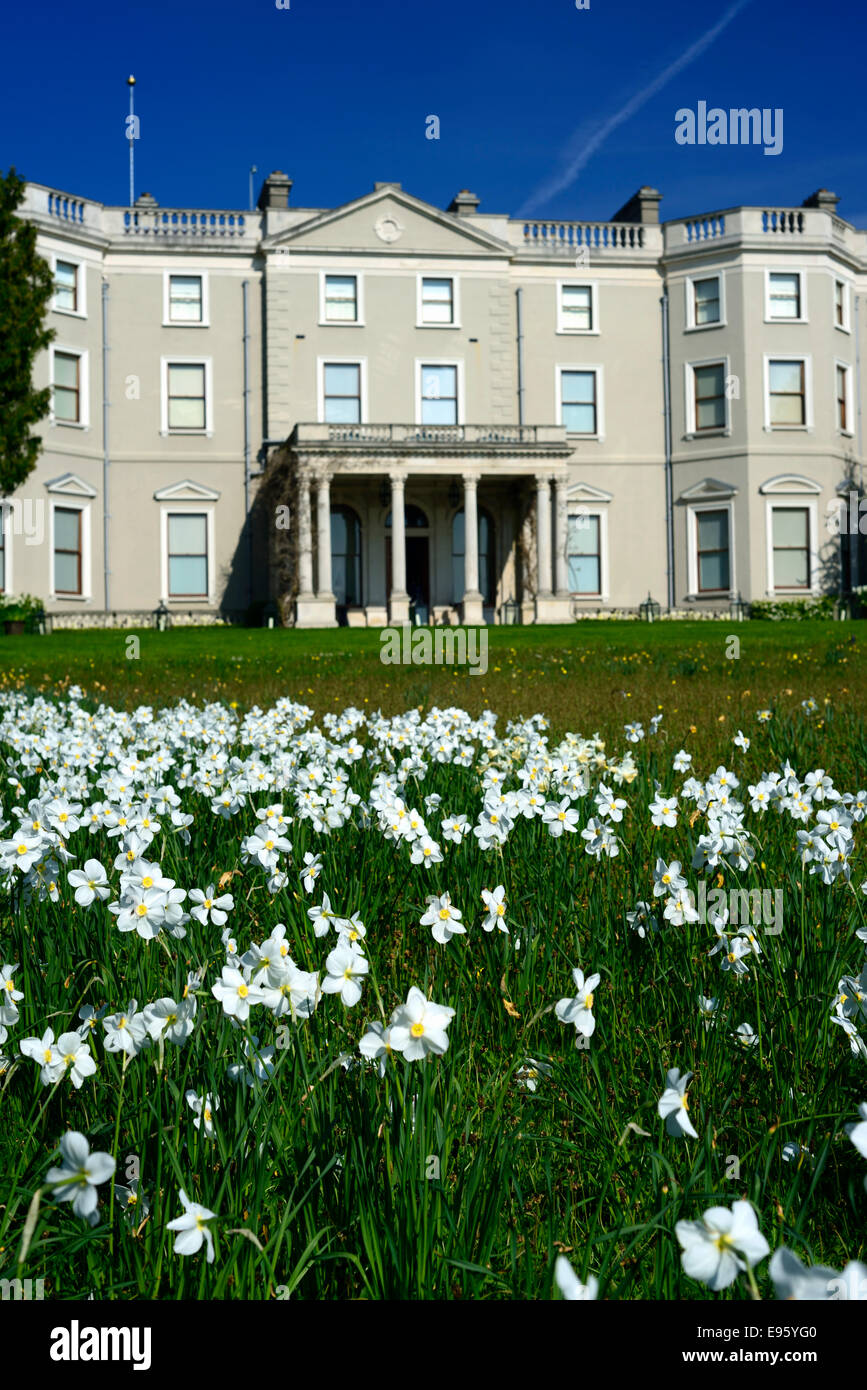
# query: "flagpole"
131,84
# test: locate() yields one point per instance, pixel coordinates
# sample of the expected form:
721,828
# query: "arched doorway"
417,531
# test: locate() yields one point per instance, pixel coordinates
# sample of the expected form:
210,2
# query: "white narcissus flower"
125,1031
443,918
203,1107
9,996
375,1045
570,1285
419,1027
577,1010
79,1175
712,1247
345,966
44,1051
236,993
194,1229
496,904
802,1283
672,1105
209,906
75,1057
858,1133
89,883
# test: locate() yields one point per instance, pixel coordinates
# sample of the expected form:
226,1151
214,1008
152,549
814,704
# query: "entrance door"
417,573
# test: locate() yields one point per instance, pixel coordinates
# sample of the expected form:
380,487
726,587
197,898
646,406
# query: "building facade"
384,410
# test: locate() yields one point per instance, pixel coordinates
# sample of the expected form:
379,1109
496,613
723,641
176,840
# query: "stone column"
472,602
323,536
398,599
543,537
305,539
314,609
561,563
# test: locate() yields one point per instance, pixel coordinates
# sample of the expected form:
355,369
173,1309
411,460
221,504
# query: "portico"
445,525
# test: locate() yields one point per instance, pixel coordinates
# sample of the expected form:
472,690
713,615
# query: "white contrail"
596,137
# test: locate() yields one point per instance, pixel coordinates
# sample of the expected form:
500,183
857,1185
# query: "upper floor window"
579,401
341,299
709,398
841,305
439,394
342,393
437,301
66,295
785,295
787,397
187,399
577,309
68,383
844,414
186,300
706,301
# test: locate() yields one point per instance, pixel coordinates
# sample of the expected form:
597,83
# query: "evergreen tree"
26,287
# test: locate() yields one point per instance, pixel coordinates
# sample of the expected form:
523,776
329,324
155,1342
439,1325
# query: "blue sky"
336,94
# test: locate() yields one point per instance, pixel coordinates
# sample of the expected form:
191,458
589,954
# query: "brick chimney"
275,191
464,203
643,206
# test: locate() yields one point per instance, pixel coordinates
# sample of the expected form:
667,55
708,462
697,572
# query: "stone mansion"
382,410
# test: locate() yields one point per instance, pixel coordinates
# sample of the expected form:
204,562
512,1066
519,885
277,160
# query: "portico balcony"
506,441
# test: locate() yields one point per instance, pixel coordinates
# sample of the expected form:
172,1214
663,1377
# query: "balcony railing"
568,238
162,223
422,436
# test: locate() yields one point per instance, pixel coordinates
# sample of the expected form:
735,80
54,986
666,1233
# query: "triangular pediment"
186,492
585,492
389,221
708,490
70,485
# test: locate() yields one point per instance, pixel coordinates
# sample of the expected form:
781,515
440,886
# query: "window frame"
176,360
691,422
806,361
67,350
846,369
490,580
691,281
802,295
800,503
343,508
420,364
845,326
562,326
420,321
576,508
693,554
7,530
82,506
184,274
197,508
332,361
358,277
80,311
597,369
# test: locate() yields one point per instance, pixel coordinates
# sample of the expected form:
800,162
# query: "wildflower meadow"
429,1004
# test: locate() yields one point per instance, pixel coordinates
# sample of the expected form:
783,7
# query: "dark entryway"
417,573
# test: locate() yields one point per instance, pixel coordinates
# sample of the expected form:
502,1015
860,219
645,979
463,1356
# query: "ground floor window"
188,555
584,554
791,547
67,550
712,550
